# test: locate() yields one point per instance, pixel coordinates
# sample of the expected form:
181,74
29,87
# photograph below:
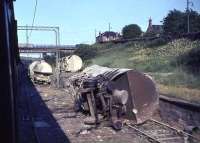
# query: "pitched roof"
155,29
109,33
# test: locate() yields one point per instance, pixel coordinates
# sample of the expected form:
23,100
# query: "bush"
156,42
190,61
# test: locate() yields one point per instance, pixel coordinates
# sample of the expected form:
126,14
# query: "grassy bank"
159,59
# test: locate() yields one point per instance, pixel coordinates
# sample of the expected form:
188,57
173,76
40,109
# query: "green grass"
140,56
150,57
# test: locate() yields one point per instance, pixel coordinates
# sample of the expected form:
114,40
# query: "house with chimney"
108,36
154,29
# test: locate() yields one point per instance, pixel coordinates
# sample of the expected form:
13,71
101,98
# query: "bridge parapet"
30,48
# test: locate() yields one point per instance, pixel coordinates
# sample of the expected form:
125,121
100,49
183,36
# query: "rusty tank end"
143,96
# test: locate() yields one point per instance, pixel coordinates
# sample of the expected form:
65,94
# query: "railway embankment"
172,64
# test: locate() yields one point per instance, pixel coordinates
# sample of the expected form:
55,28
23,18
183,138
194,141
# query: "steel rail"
173,128
177,101
143,133
181,133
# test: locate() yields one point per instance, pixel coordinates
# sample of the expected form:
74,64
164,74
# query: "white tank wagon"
72,63
40,71
30,69
132,94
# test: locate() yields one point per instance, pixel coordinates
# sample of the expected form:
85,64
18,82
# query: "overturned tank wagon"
68,66
117,94
40,71
72,63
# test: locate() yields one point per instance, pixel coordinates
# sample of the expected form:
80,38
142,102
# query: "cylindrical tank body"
42,67
30,69
40,71
71,63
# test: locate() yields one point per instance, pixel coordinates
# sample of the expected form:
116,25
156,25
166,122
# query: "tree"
176,22
194,21
131,31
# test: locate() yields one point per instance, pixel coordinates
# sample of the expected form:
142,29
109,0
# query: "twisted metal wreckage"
113,95
106,94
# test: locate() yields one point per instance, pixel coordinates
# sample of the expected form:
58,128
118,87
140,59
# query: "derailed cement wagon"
72,63
40,71
117,94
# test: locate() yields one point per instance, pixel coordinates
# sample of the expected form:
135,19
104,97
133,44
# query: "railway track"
159,132
152,130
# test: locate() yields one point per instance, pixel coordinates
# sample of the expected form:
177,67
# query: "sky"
78,19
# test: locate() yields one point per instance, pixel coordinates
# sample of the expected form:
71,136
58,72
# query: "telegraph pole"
27,37
95,34
188,17
109,27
